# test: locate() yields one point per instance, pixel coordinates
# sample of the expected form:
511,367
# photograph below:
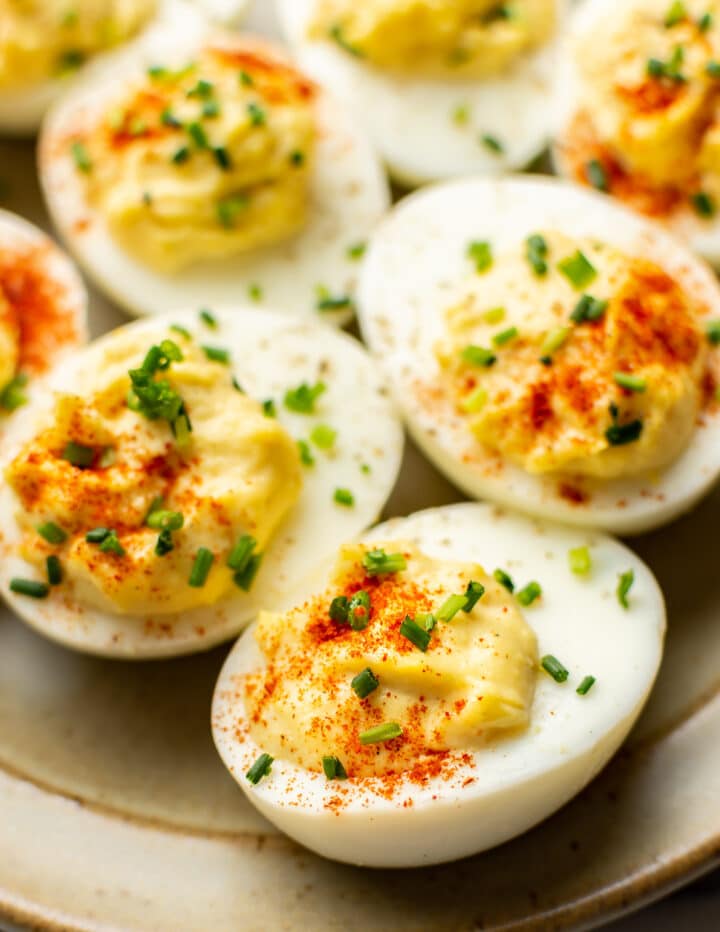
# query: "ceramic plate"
116,813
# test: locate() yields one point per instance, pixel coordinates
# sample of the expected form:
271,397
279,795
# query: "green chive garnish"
183,331
306,454
475,400
240,555
705,22
675,14
257,115
536,251
578,270
201,568
164,544
54,570
478,356
552,666
12,395
78,455
222,157
202,89
474,592
261,768
378,563
703,204
712,331
81,157
417,635
29,587
244,578
617,434
297,158
97,535
712,69
588,309
269,408
333,768
492,144
480,252
529,594
337,35
344,497
216,354
255,292
208,318
585,686
554,339
302,399
111,544
364,683
580,560
339,609
230,208
596,175
163,520
450,607
245,78
625,584
504,579
327,302
323,436
505,336
384,732
632,383
197,133
50,532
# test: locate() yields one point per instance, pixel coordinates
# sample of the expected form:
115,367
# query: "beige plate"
116,814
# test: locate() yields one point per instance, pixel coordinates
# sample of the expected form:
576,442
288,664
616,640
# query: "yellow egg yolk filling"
175,482
571,358
45,39
411,655
206,161
465,38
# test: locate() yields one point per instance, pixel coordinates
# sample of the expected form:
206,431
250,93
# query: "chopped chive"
306,454
244,578
492,144
229,209
703,204
480,252
474,592
222,157
327,302
384,732
269,408
97,535
297,158
255,292
712,69
344,497
81,157
12,395
358,610
504,579
339,609
356,251
378,563
216,354
181,429
461,115
208,318
536,252
554,340
261,768
364,683
578,270
78,455
426,620
675,14
54,570
201,567
240,555
478,356
51,532
237,386
197,134
365,469
417,635
588,309
183,331
450,607
111,544
163,520
705,22
203,89
529,594
580,560
246,79
586,685
333,768
168,119
323,436
625,584
180,156
505,336
618,435
164,544
257,115
712,331
554,668
475,400
596,175
337,35
632,383
302,399
29,587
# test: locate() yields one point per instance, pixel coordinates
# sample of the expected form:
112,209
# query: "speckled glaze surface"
116,813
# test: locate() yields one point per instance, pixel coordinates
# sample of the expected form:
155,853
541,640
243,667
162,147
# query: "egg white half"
410,120
270,354
17,236
515,782
702,235
22,108
410,275
348,195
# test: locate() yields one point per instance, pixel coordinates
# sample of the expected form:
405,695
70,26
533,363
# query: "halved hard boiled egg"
639,114
551,350
43,309
460,675
47,46
210,169
180,473
444,88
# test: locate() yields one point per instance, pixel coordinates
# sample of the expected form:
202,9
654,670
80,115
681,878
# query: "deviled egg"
641,86
457,676
45,45
444,87
212,171
43,307
550,350
180,473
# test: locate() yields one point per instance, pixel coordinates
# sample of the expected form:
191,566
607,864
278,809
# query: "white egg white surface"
702,235
22,109
348,195
515,782
410,277
18,236
410,120
270,354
